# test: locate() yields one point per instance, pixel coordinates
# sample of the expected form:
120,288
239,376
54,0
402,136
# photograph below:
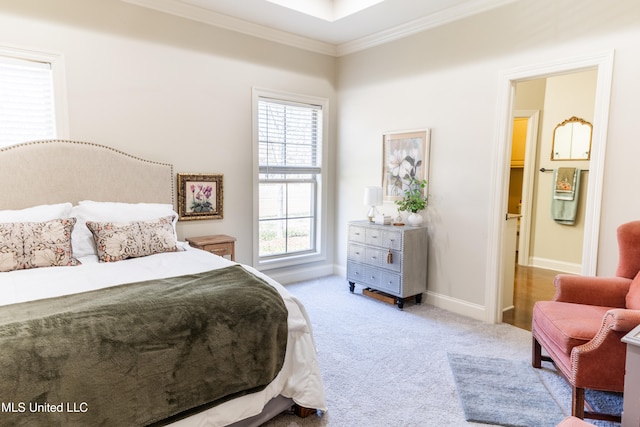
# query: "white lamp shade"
372,196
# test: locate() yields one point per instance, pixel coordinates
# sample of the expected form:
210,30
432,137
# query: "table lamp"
372,198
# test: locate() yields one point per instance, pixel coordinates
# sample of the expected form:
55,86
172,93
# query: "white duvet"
299,378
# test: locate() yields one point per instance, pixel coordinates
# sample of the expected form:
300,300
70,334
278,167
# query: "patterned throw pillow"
116,241
36,244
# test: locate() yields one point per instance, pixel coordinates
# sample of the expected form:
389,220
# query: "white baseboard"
454,305
464,308
552,264
298,274
511,307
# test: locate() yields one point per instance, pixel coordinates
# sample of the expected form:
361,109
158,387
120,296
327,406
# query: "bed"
106,318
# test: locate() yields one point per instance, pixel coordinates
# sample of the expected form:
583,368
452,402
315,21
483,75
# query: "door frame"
531,148
603,63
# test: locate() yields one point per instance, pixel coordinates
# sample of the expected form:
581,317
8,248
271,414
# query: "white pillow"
37,213
87,210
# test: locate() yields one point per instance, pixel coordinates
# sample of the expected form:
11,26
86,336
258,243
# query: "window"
27,103
289,152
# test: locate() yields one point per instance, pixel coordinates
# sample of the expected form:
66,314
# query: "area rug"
600,401
503,392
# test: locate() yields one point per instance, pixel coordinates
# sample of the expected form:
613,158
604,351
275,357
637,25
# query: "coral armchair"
582,328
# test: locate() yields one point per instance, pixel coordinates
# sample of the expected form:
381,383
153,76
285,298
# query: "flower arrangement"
413,200
201,198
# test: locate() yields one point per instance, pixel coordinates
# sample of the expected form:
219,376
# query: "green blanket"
135,354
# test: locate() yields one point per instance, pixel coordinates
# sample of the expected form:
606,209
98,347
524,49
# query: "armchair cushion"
568,325
633,296
602,291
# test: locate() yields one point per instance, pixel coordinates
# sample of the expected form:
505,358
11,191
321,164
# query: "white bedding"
300,376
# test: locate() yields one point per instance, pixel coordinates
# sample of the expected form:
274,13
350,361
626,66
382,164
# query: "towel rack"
551,170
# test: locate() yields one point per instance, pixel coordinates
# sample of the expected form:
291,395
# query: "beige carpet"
384,367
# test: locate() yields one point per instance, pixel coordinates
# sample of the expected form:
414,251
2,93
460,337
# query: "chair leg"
577,402
536,354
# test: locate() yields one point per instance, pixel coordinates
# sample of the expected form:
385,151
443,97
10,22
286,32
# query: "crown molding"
419,25
206,16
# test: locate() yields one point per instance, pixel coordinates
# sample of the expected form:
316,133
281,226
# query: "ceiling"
338,27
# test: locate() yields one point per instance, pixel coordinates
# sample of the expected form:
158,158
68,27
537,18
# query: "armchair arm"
592,290
600,363
623,319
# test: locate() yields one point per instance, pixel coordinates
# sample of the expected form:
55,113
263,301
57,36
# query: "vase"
414,219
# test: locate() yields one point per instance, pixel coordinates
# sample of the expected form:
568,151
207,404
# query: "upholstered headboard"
57,171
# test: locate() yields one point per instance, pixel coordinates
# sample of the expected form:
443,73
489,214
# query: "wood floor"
531,284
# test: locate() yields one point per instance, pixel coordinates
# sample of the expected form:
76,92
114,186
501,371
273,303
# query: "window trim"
320,253
58,73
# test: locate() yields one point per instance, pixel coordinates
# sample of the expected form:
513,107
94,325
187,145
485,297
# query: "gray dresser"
388,258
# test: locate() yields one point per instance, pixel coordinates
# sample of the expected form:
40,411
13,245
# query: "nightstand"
219,244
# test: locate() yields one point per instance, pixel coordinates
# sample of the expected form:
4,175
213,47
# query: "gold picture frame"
405,155
200,196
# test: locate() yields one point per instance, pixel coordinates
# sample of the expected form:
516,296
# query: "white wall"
448,79
172,90
168,89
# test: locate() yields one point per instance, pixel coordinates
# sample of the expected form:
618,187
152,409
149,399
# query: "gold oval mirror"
572,140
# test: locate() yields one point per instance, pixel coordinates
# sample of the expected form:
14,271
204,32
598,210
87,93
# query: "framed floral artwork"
199,196
405,155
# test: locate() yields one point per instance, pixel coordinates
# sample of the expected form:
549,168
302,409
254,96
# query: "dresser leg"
400,303
352,286
419,299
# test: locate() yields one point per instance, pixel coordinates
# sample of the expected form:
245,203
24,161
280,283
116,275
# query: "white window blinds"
27,109
288,138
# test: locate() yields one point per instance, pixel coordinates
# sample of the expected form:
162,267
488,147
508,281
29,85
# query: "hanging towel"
564,180
564,200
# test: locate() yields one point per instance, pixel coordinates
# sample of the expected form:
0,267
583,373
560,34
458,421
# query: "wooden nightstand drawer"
219,244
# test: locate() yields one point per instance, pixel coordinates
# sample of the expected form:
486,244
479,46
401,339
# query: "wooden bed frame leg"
303,412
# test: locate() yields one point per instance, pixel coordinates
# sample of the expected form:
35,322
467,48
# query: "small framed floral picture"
405,157
199,196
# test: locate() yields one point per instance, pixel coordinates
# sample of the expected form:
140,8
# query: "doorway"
524,163
603,63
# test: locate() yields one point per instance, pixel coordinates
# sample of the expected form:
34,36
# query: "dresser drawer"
374,256
356,234
355,272
374,237
356,253
392,240
390,283
372,277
